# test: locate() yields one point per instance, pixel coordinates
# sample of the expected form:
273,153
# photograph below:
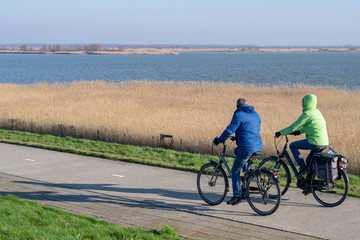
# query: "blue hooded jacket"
246,126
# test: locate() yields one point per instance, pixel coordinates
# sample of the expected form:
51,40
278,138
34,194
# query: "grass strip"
24,219
144,155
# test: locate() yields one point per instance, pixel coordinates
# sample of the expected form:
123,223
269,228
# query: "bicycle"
261,188
329,193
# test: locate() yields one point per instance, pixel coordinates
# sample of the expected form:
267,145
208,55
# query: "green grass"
24,219
144,155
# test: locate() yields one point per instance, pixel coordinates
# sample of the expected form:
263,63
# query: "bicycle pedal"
306,192
301,173
234,201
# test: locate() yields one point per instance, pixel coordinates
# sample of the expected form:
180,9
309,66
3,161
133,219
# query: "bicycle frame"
309,182
285,153
259,185
223,160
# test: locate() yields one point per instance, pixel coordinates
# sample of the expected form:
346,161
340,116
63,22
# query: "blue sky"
255,22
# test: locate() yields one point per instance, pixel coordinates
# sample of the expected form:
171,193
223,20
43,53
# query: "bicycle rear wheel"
330,193
212,183
263,192
284,176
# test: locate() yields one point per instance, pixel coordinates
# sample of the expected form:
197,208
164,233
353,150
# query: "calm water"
333,69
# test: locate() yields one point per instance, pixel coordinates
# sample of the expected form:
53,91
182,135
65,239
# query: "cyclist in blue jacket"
245,124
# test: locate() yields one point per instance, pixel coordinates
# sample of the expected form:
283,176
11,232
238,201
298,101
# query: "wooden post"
12,124
164,136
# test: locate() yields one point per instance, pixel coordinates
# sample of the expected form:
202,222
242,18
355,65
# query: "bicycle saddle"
255,154
319,149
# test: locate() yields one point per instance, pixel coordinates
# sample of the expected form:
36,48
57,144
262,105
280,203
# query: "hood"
246,108
309,102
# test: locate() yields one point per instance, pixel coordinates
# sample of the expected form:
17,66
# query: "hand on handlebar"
277,134
296,133
216,141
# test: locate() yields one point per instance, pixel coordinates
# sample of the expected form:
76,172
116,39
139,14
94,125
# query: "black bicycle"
261,188
329,193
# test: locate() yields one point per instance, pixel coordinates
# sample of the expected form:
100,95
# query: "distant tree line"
57,47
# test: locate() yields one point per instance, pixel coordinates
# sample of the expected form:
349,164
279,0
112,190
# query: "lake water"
331,69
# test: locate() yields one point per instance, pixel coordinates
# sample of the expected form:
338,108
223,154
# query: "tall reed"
137,112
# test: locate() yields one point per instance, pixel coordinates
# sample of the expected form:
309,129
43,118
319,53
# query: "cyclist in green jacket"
312,123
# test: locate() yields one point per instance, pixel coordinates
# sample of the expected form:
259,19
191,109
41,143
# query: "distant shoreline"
100,52
175,51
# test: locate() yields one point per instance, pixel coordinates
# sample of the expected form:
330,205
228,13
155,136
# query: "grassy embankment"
21,219
194,113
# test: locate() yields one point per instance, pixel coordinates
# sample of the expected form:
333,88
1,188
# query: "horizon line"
187,45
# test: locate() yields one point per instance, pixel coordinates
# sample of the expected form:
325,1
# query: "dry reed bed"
137,112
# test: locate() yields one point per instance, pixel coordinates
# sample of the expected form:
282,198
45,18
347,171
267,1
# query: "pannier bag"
326,165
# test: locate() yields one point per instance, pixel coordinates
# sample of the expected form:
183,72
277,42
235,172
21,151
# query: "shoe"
306,191
302,171
234,201
243,196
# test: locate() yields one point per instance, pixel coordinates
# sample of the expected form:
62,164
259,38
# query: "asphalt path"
139,195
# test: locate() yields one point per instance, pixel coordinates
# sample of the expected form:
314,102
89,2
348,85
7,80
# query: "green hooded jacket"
311,122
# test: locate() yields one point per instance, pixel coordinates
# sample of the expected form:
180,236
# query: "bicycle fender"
213,161
347,178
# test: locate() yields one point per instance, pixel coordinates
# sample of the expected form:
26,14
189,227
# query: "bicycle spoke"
212,184
284,172
329,193
263,201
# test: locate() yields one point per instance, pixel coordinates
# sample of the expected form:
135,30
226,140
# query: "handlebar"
224,148
232,138
286,143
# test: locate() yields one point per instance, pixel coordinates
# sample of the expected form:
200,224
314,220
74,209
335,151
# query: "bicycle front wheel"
263,192
330,193
284,176
212,183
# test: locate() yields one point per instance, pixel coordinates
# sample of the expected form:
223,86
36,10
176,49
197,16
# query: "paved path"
138,195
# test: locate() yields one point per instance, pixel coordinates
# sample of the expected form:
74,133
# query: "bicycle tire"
284,176
326,194
266,200
212,192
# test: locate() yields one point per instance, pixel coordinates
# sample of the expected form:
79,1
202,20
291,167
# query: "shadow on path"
104,194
